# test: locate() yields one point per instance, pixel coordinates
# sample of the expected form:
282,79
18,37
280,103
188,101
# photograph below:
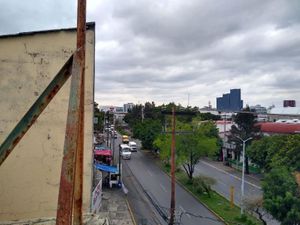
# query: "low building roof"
285,110
279,128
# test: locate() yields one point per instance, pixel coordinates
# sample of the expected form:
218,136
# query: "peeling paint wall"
29,177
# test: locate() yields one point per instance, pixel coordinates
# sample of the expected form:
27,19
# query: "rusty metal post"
69,208
35,110
66,188
78,182
172,208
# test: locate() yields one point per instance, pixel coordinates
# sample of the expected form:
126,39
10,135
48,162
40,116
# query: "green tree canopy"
276,151
190,147
100,116
281,196
147,131
243,129
262,151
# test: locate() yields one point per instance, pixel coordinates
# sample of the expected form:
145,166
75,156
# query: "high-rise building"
230,101
289,103
128,106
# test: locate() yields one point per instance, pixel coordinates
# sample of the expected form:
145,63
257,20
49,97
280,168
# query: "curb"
130,212
206,206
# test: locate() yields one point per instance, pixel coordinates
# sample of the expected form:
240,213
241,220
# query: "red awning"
103,152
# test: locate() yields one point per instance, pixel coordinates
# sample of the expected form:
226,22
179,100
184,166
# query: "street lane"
158,185
143,211
226,177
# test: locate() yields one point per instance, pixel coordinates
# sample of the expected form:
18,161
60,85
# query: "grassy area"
216,203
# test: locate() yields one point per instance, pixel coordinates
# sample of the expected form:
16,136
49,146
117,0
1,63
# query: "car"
125,151
125,139
132,146
100,147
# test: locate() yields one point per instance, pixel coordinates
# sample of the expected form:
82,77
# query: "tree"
262,151
100,117
255,205
288,154
209,116
190,147
147,131
281,196
245,128
276,151
134,115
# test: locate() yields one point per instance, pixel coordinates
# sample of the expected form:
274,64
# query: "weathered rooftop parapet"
88,219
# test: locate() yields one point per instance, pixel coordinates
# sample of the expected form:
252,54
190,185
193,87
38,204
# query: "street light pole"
243,174
172,207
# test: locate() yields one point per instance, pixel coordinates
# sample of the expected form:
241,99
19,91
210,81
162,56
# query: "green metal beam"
36,109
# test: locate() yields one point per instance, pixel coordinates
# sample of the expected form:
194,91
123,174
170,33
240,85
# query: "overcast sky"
163,50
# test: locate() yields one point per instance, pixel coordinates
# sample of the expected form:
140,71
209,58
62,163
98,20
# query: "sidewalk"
115,207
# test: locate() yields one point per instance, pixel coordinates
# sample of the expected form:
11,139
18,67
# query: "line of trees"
279,157
150,125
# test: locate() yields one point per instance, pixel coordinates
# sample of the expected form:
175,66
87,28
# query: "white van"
125,151
132,146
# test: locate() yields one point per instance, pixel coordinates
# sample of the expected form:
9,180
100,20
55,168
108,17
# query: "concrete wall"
29,178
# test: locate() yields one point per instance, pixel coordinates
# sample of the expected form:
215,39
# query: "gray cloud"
162,50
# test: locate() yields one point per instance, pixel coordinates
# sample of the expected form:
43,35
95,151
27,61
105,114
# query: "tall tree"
243,129
147,131
190,147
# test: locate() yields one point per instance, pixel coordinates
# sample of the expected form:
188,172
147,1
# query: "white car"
125,151
132,146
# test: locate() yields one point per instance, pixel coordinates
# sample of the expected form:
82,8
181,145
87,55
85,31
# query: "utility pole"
172,205
107,129
120,165
172,208
224,139
113,148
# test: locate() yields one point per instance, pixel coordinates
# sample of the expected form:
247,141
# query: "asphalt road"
156,186
144,212
226,177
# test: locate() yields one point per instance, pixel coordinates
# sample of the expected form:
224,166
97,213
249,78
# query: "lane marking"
184,211
148,171
223,171
163,187
221,182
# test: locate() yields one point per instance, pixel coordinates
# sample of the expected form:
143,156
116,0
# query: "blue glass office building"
230,101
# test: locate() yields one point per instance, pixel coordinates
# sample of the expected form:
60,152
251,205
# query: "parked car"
125,151
132,146
115,134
